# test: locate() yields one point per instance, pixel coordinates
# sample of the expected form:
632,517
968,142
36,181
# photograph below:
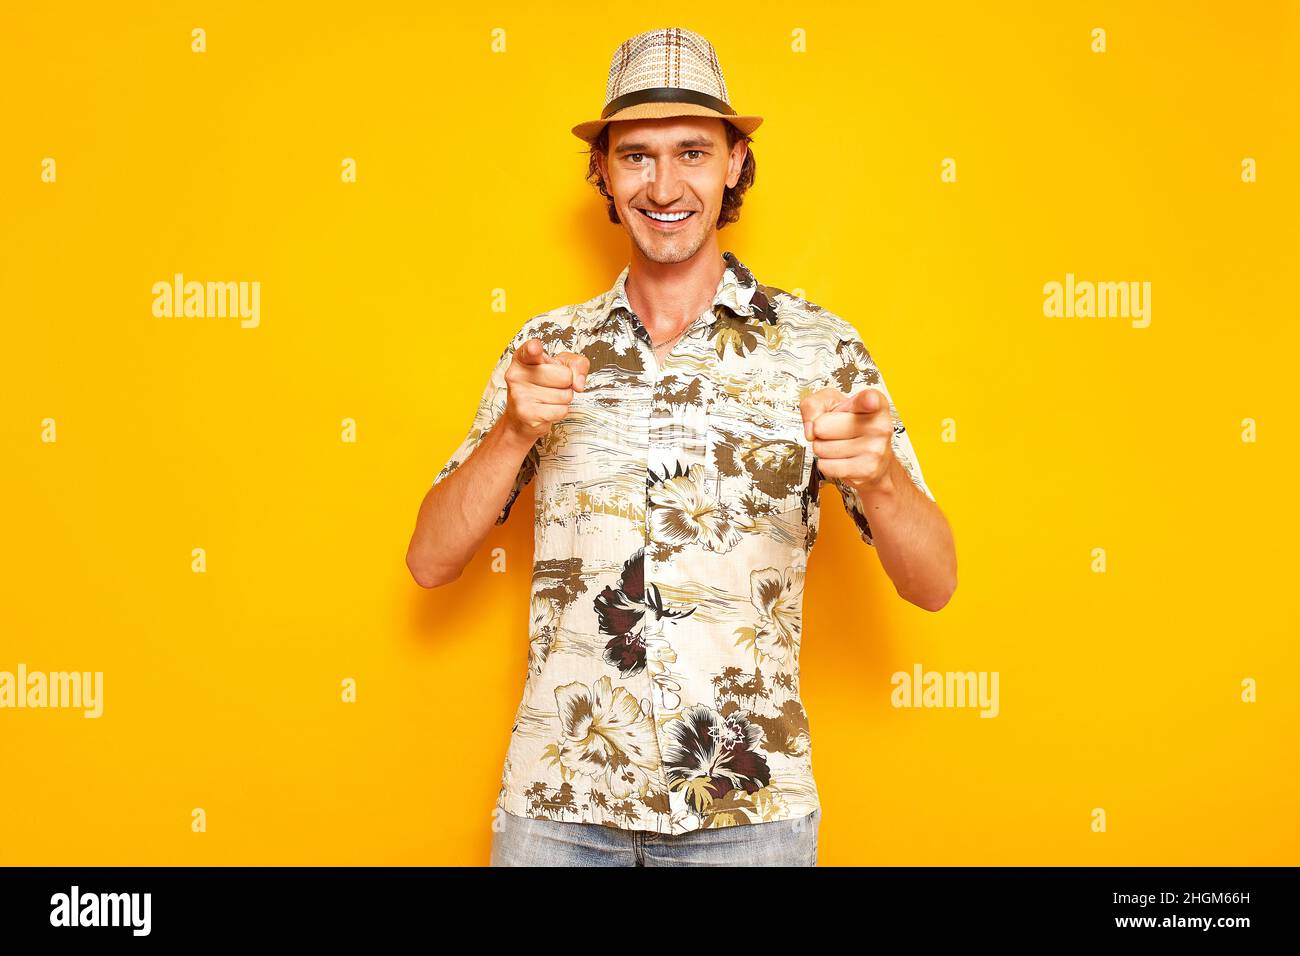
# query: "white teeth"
661,217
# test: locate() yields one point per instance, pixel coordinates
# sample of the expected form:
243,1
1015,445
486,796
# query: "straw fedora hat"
670,72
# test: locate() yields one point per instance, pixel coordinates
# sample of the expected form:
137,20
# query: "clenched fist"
851,435
539,388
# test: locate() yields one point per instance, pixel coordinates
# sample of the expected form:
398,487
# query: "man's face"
672,165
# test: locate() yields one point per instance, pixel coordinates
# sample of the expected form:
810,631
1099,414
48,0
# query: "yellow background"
222,690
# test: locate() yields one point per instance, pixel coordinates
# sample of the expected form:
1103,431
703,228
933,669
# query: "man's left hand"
851,435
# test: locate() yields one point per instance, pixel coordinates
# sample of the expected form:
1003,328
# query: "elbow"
934,605
429,575
936,600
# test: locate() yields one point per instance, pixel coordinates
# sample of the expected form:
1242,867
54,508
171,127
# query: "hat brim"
589,131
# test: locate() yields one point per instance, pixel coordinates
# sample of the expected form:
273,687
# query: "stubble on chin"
678,250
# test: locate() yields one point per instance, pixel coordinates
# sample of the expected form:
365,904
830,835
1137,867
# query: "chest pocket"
758,461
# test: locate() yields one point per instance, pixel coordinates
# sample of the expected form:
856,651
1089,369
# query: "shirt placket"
663,454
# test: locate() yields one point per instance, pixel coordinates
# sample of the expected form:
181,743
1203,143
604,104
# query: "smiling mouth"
667,219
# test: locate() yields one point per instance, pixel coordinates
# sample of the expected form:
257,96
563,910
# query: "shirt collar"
737,292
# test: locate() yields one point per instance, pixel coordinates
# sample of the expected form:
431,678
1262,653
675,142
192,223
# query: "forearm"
912,538
457,513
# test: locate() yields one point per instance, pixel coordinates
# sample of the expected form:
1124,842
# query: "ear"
736,163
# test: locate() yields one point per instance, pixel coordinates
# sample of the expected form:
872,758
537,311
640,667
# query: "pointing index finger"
869,401
532,353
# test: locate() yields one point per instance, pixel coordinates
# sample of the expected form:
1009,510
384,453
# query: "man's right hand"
540,387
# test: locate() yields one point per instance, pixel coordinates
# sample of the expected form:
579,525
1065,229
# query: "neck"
668,296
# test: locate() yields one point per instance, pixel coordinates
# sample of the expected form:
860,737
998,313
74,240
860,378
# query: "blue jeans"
524,841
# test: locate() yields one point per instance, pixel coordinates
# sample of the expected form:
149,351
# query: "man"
679,427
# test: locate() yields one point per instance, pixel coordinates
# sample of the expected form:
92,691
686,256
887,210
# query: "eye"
632,156
697,151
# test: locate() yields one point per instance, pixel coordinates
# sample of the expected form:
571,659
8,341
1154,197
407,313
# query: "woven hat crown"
664,73
665,58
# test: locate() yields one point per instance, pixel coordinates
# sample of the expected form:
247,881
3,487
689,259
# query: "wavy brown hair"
732,196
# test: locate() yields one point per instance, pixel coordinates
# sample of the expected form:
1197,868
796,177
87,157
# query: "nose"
662,189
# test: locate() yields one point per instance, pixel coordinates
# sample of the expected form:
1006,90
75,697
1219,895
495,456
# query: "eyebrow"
696,142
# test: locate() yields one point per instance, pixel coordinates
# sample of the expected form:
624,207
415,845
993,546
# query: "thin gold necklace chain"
660,345
654,347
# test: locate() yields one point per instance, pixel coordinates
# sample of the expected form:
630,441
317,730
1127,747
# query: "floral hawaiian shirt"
676,506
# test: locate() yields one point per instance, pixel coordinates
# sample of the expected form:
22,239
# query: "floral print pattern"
675,509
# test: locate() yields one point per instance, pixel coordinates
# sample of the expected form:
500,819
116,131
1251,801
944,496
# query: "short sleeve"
491,405
853,369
